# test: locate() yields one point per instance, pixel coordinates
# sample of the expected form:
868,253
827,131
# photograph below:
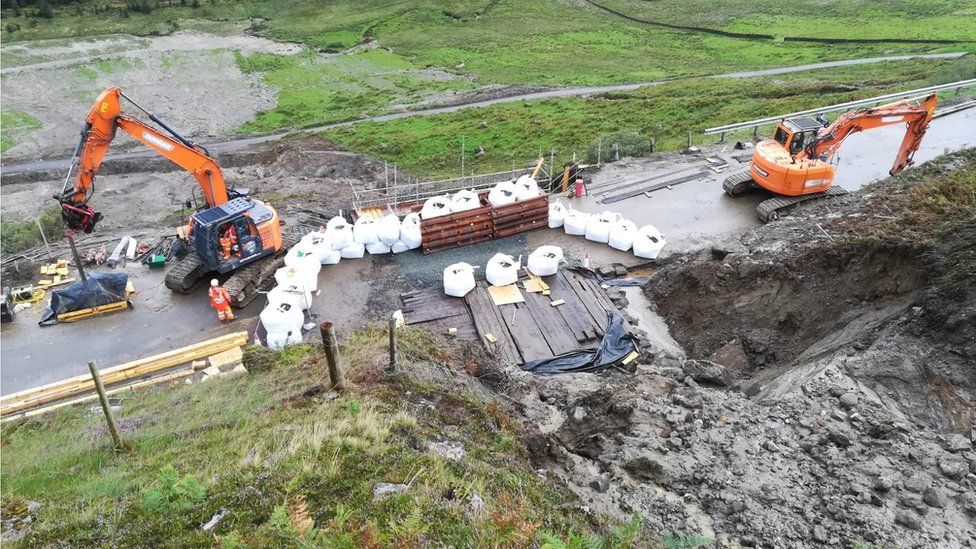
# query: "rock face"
700,460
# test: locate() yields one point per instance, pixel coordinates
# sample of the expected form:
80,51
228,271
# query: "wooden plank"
51,392
529,339
505,295
576,316
587,297
487,321
559,336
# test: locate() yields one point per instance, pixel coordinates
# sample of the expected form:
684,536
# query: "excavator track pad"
183,277
739,184
771,209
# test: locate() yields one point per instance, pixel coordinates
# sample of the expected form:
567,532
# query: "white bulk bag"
464,200
544,261
364,231
282,317
575,222
557,214
410,231
598,227
433,207
526,188
353,251
648,242
296,294
503,193
280,340
502,269
340,232
319,243
377,248
458,279
622,235
388,229
302,270
399,247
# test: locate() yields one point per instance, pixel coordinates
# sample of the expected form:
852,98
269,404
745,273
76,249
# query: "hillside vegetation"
516,132
290,463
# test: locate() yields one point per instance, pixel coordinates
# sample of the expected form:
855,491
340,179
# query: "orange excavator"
795,163
232,233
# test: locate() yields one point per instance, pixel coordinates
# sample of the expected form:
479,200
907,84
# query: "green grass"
515,132
251,446
314,89
14,125
17,236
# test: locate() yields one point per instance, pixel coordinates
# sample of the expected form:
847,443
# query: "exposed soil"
56,81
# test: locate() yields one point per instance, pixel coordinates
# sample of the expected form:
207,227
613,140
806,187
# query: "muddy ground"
818,390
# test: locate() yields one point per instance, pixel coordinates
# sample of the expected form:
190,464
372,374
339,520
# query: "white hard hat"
213,282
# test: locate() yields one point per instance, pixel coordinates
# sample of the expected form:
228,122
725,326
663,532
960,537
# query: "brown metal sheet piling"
331,347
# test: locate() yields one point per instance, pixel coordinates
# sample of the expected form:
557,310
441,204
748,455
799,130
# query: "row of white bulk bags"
544,261
610,228
319,244
458,279
502,269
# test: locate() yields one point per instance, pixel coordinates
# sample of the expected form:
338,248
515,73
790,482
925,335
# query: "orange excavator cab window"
782,135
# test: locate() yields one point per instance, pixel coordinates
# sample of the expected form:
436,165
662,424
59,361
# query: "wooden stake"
331,348
103,398
393,345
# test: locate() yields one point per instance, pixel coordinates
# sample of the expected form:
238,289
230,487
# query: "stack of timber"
458,229
137,374
564,313
522,216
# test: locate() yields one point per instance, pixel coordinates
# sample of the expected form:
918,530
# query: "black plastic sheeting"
103,288
590,273
617,344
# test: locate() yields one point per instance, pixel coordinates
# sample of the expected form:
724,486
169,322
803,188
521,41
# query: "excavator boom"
101,125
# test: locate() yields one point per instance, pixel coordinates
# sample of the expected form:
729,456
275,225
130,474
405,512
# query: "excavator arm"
916,117
101,124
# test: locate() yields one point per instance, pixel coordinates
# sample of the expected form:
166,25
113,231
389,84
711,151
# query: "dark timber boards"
528,331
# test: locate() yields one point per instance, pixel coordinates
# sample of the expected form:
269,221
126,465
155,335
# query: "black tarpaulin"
103,288
617,344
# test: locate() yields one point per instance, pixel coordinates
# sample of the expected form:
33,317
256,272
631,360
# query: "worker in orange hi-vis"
225,246
220,300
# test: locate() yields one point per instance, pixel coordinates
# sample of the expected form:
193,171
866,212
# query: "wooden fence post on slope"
393,345
331,348
106,407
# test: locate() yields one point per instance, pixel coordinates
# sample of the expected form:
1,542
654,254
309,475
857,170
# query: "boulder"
953,466
705,371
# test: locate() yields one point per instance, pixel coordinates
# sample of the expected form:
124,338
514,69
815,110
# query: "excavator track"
770,210
183,276
739,184
245,284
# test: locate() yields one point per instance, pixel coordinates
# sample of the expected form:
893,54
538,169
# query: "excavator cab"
245,218
796,133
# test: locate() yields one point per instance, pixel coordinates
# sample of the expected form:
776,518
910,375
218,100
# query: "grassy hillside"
293,464
539,41
515,132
